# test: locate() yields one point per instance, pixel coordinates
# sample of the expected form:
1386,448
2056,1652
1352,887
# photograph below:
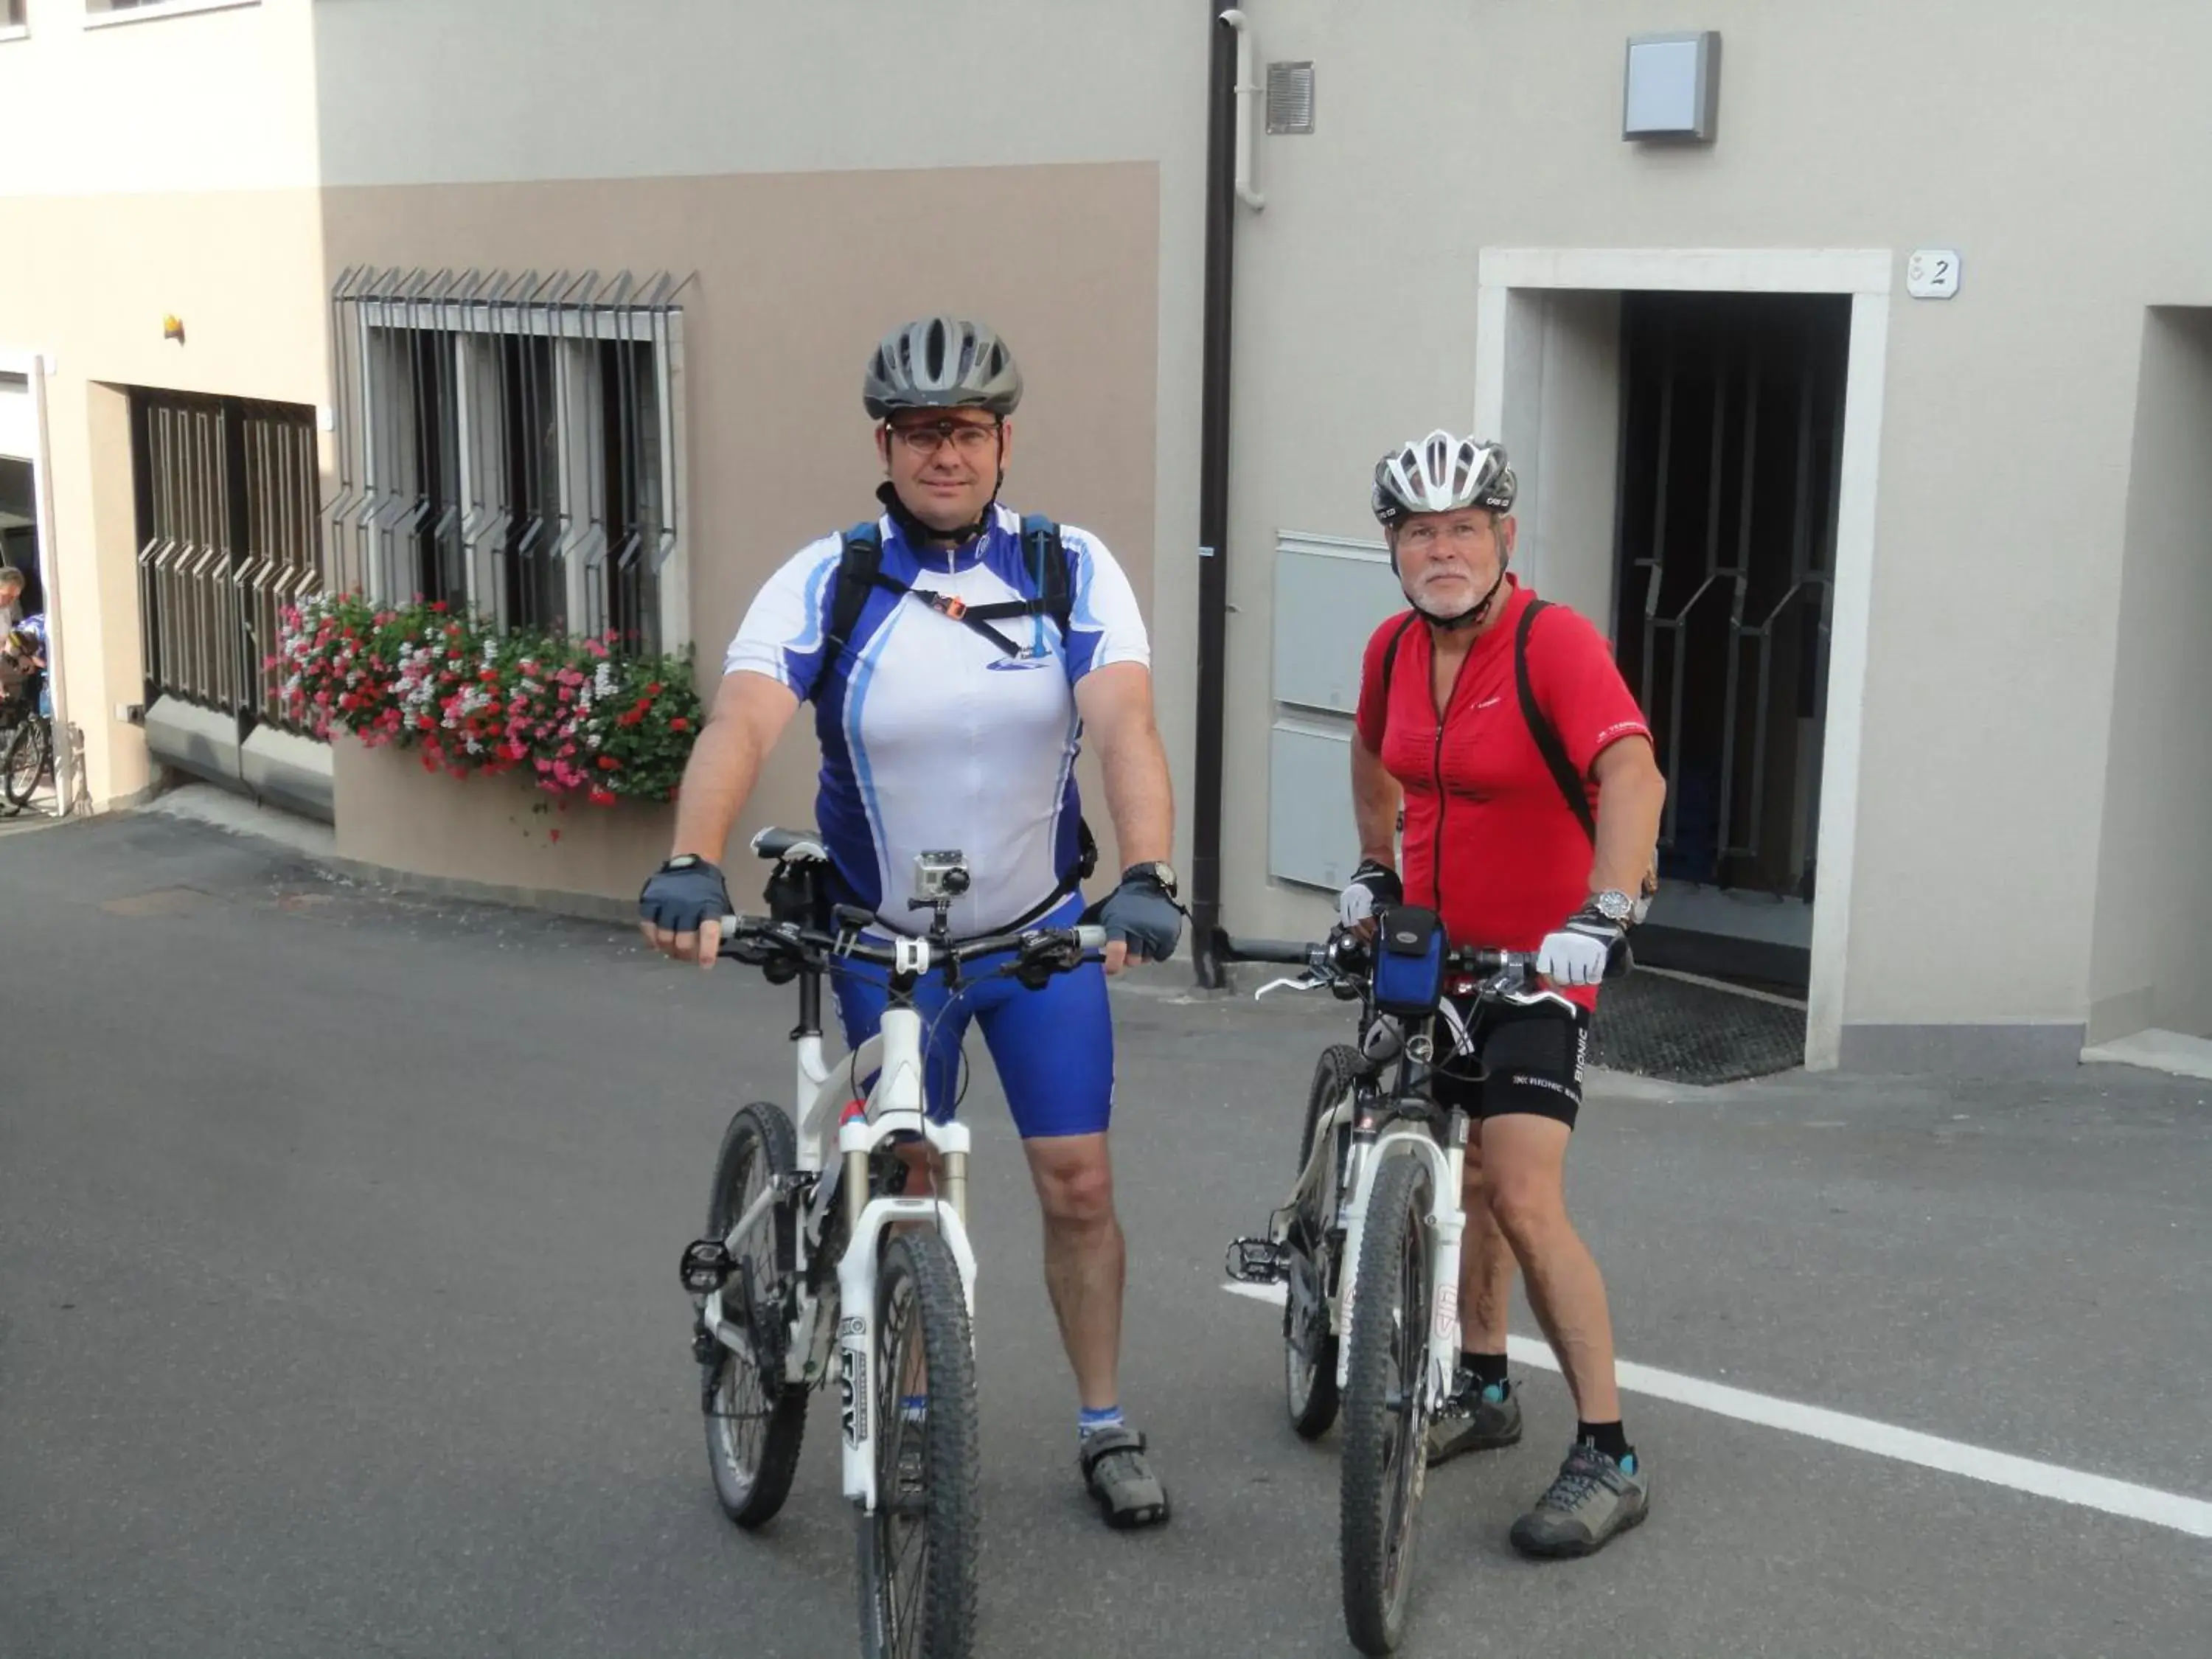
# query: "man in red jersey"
1532,800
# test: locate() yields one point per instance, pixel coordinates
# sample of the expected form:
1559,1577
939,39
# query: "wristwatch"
1616,906
1155,870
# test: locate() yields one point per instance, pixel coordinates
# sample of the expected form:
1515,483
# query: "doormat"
1656,1025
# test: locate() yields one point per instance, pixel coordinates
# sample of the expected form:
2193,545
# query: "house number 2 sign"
1932,273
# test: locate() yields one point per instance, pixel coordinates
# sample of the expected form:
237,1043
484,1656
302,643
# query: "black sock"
1607,1438
1487,1369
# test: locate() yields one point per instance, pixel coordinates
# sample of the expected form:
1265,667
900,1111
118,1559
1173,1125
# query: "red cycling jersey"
1491,843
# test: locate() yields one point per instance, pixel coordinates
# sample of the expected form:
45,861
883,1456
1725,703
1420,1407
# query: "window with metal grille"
227,497
512,444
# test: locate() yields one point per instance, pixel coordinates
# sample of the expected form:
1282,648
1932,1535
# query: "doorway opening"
1731,445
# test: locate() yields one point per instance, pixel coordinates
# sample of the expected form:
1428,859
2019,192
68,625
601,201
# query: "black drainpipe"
1213,500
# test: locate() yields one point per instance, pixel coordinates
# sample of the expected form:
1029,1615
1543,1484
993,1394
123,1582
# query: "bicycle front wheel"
755,1418
1386,1407
29,754
918,1550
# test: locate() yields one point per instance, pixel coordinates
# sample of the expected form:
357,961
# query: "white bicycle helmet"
941,362
1441,473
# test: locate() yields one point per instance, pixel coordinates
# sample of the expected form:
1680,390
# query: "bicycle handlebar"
1287,952
1321,958
756,940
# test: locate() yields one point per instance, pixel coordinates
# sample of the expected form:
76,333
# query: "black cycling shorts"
1531,1063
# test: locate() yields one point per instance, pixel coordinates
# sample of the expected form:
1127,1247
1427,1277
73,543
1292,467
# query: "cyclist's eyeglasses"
970,438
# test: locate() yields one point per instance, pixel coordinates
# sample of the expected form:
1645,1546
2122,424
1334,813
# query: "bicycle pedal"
1258,1261
706,1266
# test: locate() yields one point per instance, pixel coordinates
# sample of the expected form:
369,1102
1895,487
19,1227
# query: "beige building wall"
775,153
792,279
165,167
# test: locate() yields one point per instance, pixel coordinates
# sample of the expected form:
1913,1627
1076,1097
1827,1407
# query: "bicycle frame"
1377,1135
894,1107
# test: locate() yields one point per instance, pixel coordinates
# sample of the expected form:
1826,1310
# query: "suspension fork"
1359,1171
1447,1229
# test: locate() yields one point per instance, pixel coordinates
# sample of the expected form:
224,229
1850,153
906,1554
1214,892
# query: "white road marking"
2095,1492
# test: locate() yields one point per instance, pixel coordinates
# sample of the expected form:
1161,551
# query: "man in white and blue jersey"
956,655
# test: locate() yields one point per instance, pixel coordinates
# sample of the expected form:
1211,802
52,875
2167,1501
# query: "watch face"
1615,907
1162,872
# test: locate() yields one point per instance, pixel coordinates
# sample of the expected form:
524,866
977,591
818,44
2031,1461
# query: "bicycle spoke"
910,1614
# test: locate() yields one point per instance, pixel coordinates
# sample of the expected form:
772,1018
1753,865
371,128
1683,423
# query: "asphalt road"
338,1315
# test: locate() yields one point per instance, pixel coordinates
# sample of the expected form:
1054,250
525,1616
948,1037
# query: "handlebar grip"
1091,937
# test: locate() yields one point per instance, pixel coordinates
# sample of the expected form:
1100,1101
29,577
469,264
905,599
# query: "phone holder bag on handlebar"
1409,961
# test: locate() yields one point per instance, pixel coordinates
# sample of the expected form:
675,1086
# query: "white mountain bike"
813,1245
1368,1242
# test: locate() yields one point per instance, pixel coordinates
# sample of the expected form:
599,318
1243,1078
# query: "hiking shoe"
1592,1498
1128,1492
1475,1418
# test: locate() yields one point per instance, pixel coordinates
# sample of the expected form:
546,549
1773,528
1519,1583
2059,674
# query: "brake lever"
1307,981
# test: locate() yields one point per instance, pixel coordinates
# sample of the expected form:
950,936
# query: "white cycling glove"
1576,953
1373,887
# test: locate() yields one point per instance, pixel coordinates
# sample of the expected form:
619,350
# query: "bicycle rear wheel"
1386,1407
755,1418
1310,1345
918,1550
30,752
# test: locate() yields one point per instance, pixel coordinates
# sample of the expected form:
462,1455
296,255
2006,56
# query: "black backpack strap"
1390,653
859,571
1540,728
1044,553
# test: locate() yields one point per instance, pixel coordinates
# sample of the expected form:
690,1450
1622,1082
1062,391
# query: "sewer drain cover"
1658,1026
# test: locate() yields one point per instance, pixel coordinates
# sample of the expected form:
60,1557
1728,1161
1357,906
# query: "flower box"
579,715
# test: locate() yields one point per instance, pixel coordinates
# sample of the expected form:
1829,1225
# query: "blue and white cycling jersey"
932,738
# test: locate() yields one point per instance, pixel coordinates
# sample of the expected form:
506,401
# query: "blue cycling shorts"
1054,1047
